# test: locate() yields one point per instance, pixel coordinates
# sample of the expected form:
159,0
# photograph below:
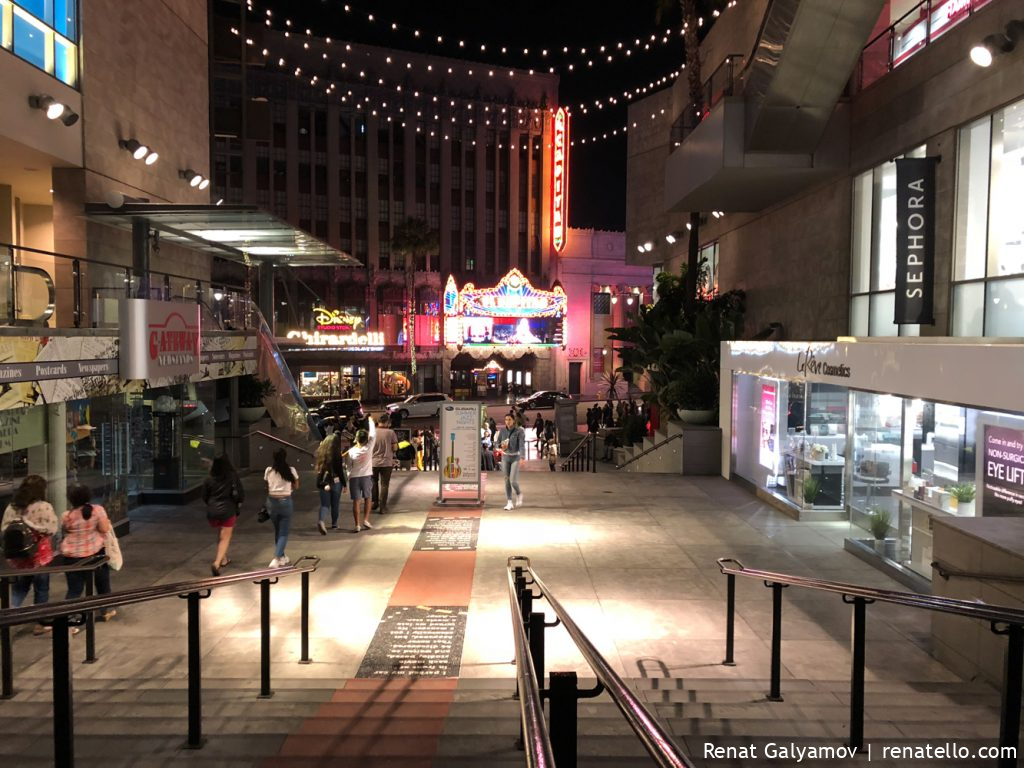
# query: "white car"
417,406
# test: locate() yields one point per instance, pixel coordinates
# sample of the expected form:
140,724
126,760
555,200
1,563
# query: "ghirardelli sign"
807,363
159,339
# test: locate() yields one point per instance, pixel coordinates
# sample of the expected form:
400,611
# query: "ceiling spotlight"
152,157
648,246
138,150
640,248
204,183
192,177
670,239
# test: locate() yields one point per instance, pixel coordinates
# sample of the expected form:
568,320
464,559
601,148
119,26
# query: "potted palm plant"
879,522
251,392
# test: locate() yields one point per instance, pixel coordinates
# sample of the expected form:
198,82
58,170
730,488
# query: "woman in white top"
359,461
282,480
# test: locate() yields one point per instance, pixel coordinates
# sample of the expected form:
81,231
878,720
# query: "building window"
44,33
873,253
382,210
601,303
988,246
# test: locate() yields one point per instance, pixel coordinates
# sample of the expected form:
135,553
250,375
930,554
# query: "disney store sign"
807,363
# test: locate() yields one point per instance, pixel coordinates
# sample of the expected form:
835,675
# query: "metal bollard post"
265,692
857,641
775,694
730,619
536,634
195,676
90,620
63,706
6,653
305,619
1009,718
562,694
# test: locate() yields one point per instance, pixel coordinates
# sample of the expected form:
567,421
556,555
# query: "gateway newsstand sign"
159,339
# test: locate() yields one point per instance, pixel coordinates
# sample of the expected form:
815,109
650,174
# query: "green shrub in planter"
879,522
811,487
963,492
251,391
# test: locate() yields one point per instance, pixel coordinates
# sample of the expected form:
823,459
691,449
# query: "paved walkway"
632,557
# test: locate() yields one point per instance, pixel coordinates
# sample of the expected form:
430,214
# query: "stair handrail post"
195,673
858,639
730,620
562,693
90,620
6,652
265,692
304,619
535,630
1009,713
775,692
63,703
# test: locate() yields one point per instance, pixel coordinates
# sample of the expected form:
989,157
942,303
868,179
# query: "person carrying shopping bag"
28,526
85,527
223,495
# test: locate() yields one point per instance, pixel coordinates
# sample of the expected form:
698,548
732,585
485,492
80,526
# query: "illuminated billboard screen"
509,330
511,313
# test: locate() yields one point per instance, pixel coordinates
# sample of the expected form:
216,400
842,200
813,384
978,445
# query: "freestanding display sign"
459,478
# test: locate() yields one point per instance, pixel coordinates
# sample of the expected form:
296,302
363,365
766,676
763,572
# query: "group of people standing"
78,534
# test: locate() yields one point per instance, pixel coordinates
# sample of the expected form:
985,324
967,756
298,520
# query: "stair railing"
583,456
193,592
7,576
562,691
1002,621
646,451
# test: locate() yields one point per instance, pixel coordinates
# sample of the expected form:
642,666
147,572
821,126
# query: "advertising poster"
459,453
769,418
1003,493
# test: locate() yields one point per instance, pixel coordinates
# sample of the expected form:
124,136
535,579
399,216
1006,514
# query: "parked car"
416,406
542,399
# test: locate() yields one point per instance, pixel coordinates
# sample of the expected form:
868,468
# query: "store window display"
816,445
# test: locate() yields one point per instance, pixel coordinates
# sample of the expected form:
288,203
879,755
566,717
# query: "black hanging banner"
915,240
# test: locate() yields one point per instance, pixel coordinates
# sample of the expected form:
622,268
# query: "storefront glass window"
989,244
873,253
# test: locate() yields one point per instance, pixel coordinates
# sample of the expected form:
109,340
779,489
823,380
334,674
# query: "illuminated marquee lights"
512,298
560,180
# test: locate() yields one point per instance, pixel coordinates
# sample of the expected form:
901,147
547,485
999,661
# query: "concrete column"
56,455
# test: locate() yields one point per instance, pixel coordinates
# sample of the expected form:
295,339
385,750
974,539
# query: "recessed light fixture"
54,109
139,150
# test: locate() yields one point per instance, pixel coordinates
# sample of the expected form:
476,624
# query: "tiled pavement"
632,557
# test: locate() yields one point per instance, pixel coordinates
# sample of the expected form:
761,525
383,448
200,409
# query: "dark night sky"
597,195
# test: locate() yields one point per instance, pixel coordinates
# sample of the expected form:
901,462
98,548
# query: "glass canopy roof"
237,232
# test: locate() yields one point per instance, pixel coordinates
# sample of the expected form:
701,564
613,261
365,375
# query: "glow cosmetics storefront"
880,435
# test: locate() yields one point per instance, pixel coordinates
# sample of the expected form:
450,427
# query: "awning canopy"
238,232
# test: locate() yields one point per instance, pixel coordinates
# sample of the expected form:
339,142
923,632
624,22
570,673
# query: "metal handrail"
85,565
945,571
653,736
1002,621
579,446
536,739
35,613
653,448
261,433
968,608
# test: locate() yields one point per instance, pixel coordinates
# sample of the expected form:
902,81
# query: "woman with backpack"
222,494
28,526
282,480
323,466
85,527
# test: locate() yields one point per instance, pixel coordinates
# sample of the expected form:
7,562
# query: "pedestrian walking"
36,525
512,440
282,481
223,496
383,461
85,527
338,480
324,480
359,460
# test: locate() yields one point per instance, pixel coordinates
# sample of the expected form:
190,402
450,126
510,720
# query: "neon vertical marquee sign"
560,180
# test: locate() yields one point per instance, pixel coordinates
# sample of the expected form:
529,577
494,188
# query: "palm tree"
692,12
413,238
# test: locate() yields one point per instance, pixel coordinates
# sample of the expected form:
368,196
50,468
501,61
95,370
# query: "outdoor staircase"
675,448
473,722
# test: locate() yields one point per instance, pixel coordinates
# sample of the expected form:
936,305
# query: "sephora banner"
915,239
